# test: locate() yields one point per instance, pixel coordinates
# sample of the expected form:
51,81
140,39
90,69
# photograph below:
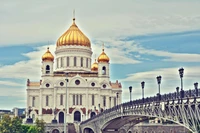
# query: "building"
19,112
84,88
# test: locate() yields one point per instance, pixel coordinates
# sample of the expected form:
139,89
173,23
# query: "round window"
104,86
47,85
77,82
61,83
92,84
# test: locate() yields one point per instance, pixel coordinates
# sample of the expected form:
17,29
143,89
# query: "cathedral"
77,88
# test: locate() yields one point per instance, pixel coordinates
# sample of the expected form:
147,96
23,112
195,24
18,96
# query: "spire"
74,15
103,47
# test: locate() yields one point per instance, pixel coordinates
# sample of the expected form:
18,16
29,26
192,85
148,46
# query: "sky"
143,39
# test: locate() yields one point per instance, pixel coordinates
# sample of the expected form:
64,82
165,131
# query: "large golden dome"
103,57
94,66
47,56
73,36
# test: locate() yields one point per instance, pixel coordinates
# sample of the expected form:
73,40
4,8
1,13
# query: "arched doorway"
55,131
88,130
77,116
92,114
61,117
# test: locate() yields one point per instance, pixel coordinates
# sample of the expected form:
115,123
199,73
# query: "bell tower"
47,63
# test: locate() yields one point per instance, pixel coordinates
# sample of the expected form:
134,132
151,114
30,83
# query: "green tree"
25,128
40,125
5,124
16,125
32,129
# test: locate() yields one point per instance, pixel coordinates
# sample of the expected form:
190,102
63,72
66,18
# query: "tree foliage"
14,125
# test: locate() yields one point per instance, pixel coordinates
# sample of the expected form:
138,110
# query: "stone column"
40,104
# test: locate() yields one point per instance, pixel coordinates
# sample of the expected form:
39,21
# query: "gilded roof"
73,36
47,56
103,57
94,66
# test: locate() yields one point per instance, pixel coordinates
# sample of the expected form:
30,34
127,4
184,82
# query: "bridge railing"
175,96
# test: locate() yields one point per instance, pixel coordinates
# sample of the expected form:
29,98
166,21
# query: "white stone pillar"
40,104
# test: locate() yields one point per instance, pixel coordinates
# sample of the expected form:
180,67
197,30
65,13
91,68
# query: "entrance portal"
77,116
55,131
61,117
92,114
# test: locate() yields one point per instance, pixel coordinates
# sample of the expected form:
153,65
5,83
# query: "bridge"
181,107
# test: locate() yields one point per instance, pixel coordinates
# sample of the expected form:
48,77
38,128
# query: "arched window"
33,101
92,114
61,99
81,61
77,116
61,62
87,62
80,99
104,101
47,100
67,61
74,61
61,117
47,69
76,99
103,70
73,99
92,99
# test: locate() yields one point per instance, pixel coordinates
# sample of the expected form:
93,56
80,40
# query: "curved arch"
57,83
47,81
33,115
105,82
61,116
83,83
95,81
139,118
77,116
92,114
55,130
47,69
88,130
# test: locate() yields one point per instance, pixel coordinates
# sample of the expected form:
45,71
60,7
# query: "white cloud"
10,83
39,22
13,92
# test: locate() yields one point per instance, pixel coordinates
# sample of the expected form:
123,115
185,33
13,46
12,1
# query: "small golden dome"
73,36
94,66
103,57
47,56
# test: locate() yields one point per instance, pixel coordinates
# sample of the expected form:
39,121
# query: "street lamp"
110,101
159,82
177,91
117,97
130,90
142,84
196,88
181,71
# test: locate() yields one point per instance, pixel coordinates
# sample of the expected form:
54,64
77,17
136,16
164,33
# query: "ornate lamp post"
159,82
196,88
181,71
130,90
110,101
177,91
117,97
142,85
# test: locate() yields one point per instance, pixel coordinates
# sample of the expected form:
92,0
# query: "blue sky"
143,39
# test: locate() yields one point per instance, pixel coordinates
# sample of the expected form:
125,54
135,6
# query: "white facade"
88,92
